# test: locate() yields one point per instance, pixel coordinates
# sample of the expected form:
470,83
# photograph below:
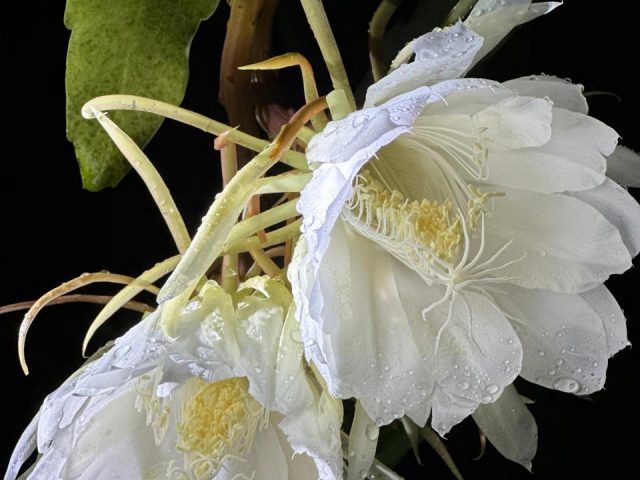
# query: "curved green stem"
142,104
127,293
151,178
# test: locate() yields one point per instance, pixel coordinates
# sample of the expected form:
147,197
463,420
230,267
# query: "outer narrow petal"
573,158
23,450
613,321
494,19
315,431
562,93
562,337
441,55
510,427
617,206
623,166
560,243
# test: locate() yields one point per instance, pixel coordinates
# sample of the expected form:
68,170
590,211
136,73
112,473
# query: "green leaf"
137,47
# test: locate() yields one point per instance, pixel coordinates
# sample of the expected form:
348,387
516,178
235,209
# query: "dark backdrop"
52,230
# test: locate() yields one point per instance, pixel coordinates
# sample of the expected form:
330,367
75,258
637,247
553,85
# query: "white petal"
516,122
258,332
562,93
478,355
449,410
315,432
339,152
365,344
573,158
567,245
562,337
23,450
613,321
623,166
510,427
494,19
617,206
441,55
111,441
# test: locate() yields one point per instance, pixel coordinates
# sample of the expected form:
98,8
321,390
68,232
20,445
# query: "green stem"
142,104
127,293
151,178
263,220
377,27
459,11
319,23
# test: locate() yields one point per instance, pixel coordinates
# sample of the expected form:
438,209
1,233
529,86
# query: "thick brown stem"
248,40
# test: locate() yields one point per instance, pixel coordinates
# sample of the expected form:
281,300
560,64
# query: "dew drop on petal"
372,432
567,385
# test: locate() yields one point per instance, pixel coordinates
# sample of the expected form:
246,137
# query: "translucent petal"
613,321
562,93
623,166
617,206
441,55
509,426
562,336
573,158
558,242
494,19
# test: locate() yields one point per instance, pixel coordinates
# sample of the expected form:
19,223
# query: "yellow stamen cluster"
426,223
220,419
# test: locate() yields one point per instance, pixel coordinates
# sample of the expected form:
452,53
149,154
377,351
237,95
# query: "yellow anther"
220,419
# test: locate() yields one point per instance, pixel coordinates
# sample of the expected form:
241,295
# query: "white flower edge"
310,418
451,52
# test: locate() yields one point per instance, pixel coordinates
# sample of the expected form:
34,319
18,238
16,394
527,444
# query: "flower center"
421,233
219,420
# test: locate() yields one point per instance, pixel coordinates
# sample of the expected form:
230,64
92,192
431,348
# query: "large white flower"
228,397
458,235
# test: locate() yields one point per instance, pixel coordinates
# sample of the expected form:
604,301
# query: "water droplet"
568,385
371,431
493,389
295,336
543,254
463,385
541,353
560,362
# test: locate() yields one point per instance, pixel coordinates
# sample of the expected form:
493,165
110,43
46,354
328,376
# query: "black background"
52,230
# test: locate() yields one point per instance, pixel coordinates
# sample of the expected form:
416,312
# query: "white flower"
228,397
457,236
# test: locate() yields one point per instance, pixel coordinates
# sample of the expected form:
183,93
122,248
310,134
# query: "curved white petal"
478,355
364,339
494,19
562,336
562,93
619,208
24,448
613,321
572,159
338,153
515,122
112,441
510,427
623,166
441,55
558,242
